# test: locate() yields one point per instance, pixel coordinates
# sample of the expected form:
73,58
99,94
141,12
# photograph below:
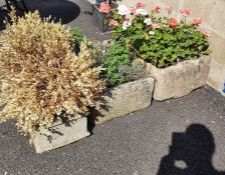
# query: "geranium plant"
42,78
163,41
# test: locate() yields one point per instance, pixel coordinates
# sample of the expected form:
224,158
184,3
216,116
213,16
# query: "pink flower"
113,23
126,23
197,21
207,33
140,5
169,9
157,9
155,26
105,7
172,22
185,12
133,10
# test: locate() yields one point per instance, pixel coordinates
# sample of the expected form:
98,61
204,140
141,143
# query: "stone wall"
213,14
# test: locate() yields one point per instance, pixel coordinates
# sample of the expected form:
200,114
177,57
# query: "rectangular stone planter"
125,99
180,79
62,134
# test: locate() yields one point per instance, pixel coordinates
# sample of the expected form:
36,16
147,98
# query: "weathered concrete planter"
121,100
126,98
62,135
179,80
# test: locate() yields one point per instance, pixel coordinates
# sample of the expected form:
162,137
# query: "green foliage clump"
78,37
77,33
119,65
116,55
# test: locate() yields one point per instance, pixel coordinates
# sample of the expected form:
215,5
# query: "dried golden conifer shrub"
41,76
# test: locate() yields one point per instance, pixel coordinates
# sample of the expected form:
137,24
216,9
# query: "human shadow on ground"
190,153
63,10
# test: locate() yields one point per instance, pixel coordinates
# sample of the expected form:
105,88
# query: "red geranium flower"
133,10
140,5
172,22
105,7
157,9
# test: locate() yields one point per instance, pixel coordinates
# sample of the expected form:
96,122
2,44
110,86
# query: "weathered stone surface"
176,4
133,2
126,98
91,1
216,78
202,9
218,51
63,135
218,18
179,80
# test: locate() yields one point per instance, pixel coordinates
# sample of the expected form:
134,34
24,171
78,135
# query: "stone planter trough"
118,101
62,134
180,79
125,99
